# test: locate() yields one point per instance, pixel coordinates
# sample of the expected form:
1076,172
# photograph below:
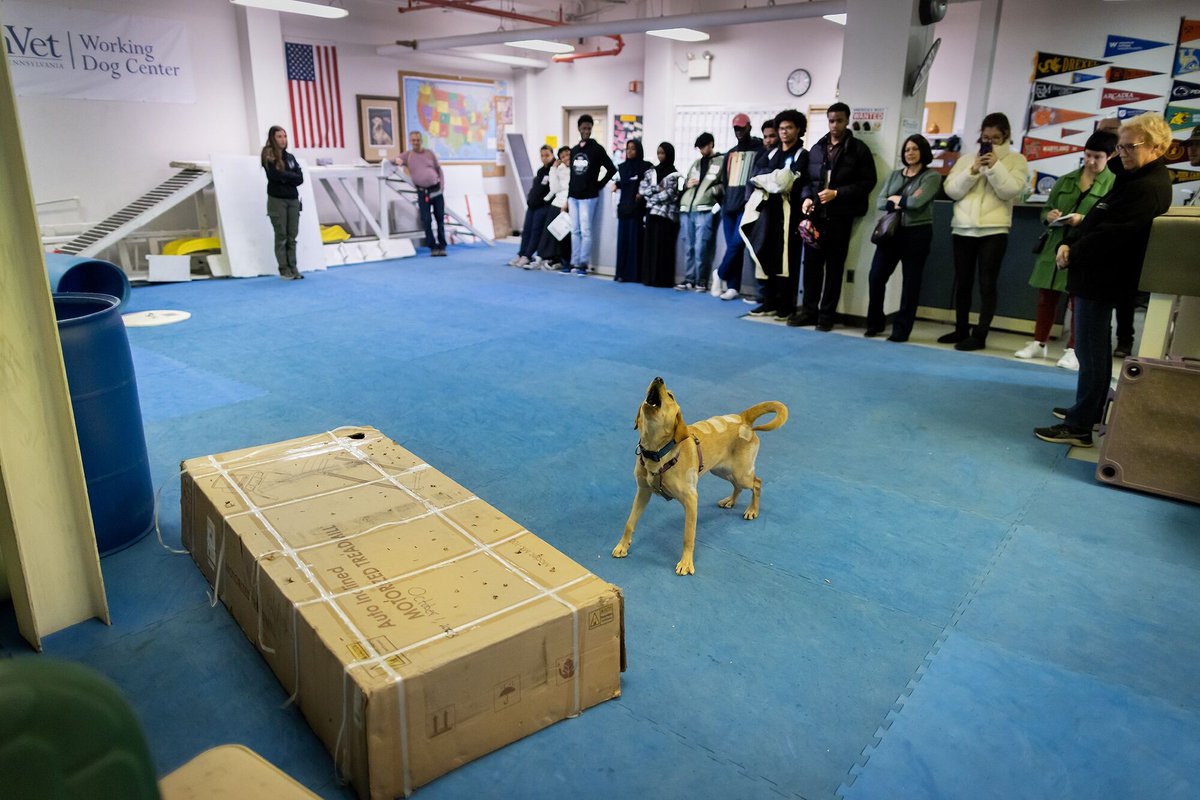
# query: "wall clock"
798,82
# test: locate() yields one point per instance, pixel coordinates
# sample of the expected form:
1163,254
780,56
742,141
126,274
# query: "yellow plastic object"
172,248
333,233
210,244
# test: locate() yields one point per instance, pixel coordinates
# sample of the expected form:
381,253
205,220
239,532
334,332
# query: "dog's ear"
681,431
637,421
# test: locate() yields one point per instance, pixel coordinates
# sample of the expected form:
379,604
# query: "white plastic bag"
560,227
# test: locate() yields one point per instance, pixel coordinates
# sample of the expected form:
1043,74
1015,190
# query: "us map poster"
1071,92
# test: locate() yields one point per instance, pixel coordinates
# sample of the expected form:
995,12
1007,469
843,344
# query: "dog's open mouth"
654,396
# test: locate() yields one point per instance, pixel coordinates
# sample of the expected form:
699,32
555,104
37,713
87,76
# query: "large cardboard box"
416,626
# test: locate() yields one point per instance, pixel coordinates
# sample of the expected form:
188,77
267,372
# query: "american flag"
315,95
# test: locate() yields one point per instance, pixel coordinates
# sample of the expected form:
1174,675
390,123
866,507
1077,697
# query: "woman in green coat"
1072,197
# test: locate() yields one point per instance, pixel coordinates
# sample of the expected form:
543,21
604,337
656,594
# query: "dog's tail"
771,406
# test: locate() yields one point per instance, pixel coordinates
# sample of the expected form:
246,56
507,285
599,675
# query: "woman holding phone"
984,189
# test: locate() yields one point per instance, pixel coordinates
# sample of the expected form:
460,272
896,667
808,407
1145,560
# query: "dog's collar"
655,455
657,477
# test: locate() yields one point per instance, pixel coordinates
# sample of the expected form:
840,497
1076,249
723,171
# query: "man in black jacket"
732,180
841,174
537,206
583,196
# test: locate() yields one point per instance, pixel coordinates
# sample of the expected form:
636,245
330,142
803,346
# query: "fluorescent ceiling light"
295,7
503,58
680,34
840,19
543,46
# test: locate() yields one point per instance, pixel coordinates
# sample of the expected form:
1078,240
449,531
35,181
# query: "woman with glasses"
1073,196
984,189
1103,258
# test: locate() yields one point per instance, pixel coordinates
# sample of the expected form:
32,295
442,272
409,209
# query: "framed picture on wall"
379,130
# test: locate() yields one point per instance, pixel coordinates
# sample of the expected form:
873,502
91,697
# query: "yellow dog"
673,455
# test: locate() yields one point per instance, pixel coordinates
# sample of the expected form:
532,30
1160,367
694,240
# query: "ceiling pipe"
712,19
569,57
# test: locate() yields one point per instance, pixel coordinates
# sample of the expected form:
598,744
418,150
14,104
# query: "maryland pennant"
1117,74
1036,149
1054,64
1117,97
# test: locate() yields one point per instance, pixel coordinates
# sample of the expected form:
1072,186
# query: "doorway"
571,125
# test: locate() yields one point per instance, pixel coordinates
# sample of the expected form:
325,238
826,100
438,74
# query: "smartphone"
985,148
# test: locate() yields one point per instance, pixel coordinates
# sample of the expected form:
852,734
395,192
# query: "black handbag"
886,227
1040,244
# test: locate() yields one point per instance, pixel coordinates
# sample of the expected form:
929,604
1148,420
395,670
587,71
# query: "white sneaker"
730,294
1068,361
520,262
1032,350
512,262
718,285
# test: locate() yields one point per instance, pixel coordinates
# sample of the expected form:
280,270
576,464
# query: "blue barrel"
91,275
108,418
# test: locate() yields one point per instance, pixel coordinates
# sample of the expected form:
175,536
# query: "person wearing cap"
696,215
732,192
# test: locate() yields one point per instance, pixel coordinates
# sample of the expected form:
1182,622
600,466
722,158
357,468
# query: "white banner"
66,52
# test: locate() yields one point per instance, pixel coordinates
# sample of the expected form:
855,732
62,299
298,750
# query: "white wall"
107,152
954,60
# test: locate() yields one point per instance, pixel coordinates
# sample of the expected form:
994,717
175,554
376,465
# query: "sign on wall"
64,52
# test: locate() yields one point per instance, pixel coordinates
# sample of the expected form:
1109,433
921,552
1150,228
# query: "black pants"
779,292
431,208
985,253
824,267
551,249
910,248
1093,348
531,231
629,249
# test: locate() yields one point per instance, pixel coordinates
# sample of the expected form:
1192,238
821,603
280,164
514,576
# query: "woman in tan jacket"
984,189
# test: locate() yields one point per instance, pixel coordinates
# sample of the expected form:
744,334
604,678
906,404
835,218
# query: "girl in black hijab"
631,208
661,192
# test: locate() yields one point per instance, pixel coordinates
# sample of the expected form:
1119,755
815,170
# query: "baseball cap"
741,121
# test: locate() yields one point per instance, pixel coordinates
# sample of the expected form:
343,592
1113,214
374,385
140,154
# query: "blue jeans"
697,229
582,209
730,270
1093,348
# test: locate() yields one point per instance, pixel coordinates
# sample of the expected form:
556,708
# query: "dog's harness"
655,479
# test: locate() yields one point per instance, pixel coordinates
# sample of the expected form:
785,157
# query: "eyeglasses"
1128,148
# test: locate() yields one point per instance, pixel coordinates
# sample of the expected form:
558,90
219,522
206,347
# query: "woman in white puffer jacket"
984,189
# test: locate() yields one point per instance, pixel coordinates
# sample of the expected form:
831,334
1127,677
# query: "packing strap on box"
373,658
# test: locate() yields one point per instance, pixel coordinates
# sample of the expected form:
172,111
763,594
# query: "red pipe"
568,57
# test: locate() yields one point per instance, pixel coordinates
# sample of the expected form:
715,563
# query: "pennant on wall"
1054,64
1080,77
1182,90
1035,149
1124,45
1069,132
1118,74
1043,183
1180,118
1116,97
1176,152
1189,31
1187,60
314,93
1184,176
1045,89
1040,116
1126,113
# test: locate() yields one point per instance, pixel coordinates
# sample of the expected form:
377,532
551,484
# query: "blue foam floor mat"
932,604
